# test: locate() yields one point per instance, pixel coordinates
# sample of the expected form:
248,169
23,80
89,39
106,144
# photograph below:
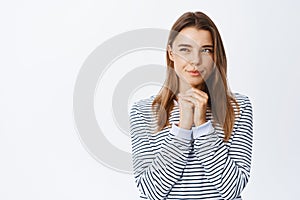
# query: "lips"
195,72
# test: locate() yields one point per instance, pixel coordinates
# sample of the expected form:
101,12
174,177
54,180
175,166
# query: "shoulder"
242,100
143,105
141,112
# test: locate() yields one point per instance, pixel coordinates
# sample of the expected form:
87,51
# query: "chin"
196,83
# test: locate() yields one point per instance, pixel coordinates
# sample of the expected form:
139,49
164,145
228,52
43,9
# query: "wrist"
200,122
184,126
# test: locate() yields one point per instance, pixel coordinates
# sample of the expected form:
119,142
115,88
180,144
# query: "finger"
197,96
185,99
197,91
196,99
189,99
200,95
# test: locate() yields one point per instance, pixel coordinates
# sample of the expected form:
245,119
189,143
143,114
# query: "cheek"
208,63
177,69
209,66
179,62
179,65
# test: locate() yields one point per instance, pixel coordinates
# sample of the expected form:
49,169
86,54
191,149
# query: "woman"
194,139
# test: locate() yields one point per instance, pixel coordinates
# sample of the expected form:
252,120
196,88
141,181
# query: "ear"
170,53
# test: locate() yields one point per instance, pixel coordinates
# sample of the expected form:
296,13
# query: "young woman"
193,140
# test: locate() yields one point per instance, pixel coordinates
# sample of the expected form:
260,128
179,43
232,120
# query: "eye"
185,50
207,50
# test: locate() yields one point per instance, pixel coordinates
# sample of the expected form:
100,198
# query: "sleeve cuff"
181,132
203,129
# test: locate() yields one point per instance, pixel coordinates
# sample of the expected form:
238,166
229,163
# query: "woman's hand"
193,103
186,112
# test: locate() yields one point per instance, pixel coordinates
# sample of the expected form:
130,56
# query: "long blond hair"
220,96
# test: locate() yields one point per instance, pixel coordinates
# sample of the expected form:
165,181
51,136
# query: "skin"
192,50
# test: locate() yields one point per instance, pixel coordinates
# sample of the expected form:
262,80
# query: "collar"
175,102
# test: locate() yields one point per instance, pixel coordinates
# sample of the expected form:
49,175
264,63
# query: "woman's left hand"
199,100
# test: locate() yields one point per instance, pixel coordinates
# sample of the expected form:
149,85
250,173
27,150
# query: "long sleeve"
227,167
156,173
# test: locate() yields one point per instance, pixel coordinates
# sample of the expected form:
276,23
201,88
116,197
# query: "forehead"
194,37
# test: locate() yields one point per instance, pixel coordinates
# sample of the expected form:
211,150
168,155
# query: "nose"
196,59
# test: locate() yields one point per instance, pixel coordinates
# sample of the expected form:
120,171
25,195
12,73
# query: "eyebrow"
185,45
208,45
188,45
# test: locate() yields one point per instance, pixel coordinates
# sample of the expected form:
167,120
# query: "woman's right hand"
186,113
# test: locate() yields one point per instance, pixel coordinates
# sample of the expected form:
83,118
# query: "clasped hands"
192,105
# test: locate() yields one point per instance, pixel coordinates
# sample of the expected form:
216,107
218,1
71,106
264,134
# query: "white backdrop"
44,44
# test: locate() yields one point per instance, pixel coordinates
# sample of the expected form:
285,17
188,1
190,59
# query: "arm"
155,174
227,169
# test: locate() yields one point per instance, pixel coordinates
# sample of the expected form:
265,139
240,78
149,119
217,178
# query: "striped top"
176,163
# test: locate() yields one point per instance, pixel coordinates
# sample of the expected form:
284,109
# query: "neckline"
175,102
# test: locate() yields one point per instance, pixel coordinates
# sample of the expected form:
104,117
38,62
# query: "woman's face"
192,53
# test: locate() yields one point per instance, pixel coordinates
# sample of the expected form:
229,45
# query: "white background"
44,44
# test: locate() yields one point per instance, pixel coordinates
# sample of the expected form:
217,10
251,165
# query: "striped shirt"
176,163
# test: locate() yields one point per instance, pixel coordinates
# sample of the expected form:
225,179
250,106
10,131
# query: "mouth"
195,72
